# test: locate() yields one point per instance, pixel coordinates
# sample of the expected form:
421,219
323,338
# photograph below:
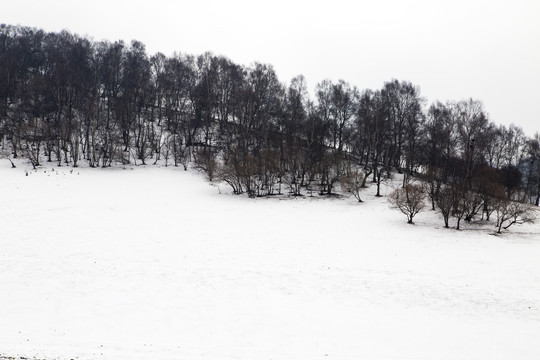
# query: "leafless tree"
444,201
512,212
5,154
353,183
409,200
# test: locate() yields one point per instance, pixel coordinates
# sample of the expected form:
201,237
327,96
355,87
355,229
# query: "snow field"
155,263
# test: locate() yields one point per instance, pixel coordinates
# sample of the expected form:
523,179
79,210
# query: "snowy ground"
155,263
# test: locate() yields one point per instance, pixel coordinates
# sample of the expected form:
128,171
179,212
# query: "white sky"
484,49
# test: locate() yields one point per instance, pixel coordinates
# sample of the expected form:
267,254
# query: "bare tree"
533,176
431,184
445,202
461,202
5,154
353,183
409,200
512,212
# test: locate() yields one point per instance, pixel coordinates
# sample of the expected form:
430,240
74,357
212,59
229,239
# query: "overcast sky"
487,50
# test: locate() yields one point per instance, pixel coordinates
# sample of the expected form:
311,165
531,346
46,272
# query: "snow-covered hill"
156,263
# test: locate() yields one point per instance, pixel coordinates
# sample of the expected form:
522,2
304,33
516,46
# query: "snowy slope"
155,263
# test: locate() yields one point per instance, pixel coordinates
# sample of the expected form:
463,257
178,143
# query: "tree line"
66,99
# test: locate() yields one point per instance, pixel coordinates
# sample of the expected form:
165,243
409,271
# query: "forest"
70,100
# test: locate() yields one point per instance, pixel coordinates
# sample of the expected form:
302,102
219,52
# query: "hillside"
156,263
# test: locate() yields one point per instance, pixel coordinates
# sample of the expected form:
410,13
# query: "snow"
157,263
